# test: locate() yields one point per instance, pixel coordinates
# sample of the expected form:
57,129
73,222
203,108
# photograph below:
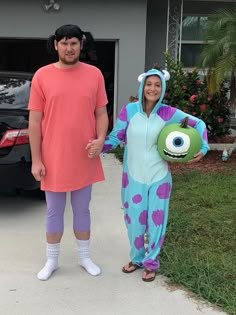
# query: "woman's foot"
149,275
130,267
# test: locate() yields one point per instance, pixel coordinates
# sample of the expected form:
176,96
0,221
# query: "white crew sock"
51,265
85,260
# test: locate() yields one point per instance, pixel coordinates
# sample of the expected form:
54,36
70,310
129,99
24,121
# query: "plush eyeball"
177,142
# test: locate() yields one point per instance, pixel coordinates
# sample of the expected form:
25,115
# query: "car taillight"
14,137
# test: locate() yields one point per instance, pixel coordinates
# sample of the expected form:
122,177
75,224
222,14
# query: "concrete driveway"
71,290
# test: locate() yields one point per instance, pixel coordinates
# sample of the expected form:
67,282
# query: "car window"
14,93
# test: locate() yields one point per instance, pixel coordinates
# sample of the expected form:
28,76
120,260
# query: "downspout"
180,29
167,25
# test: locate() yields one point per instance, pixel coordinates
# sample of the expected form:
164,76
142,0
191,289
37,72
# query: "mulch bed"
211,163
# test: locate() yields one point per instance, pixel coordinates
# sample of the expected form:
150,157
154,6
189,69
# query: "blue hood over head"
143,76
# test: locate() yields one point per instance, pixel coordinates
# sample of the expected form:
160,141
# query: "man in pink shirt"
67,109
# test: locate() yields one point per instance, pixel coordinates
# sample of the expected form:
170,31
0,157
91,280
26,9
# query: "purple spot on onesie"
139,242
191,122
127,219
123,114
125,180
205,135
166,112
137,199
107,147
126,205
143,217
158,217
153,246
163,191
120,134
151,264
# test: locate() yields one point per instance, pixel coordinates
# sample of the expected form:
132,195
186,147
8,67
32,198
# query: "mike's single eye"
177,142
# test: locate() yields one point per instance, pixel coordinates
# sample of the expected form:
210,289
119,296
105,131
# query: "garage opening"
30,54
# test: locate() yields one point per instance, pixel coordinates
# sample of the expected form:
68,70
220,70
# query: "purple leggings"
56,203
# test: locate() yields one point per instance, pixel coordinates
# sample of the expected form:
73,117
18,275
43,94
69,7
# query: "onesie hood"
163,75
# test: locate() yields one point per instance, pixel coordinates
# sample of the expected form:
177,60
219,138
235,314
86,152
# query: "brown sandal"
130,264
148,272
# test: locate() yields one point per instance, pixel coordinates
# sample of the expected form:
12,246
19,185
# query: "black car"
15,157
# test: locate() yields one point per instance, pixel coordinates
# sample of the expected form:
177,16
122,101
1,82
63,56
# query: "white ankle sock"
85,260
51,265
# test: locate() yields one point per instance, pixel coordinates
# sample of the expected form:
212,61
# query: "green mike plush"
178,142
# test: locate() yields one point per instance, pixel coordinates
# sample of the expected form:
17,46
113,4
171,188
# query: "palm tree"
219,55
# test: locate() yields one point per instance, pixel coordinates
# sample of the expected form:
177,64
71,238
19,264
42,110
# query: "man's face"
68,50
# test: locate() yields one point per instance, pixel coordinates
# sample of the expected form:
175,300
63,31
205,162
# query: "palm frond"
233,89
219,55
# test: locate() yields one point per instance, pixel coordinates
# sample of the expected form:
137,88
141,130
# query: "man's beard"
71,62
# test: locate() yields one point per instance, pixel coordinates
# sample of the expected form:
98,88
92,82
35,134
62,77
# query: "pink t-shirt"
68,99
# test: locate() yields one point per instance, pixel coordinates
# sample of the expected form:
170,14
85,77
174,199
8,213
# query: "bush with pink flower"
186,91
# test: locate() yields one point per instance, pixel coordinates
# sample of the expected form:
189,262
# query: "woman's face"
152,88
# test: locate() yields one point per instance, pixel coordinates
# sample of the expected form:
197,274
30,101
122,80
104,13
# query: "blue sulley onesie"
146,178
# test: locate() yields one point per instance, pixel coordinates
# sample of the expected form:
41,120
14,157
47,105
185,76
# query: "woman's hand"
197,157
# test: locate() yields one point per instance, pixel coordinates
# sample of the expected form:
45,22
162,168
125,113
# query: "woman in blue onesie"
146,178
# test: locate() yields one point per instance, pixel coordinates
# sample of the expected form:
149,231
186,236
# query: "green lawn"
200,248
199,252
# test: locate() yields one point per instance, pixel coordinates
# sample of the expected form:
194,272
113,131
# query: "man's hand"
94,147
38,170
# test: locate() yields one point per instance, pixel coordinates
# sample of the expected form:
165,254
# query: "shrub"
186,91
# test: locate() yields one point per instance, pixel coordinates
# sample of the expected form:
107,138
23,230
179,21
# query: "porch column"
174,27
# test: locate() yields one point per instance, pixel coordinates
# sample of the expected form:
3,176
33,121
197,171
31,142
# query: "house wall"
156,32
121,20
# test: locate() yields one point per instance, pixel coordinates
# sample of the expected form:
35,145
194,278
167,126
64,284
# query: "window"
193,28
